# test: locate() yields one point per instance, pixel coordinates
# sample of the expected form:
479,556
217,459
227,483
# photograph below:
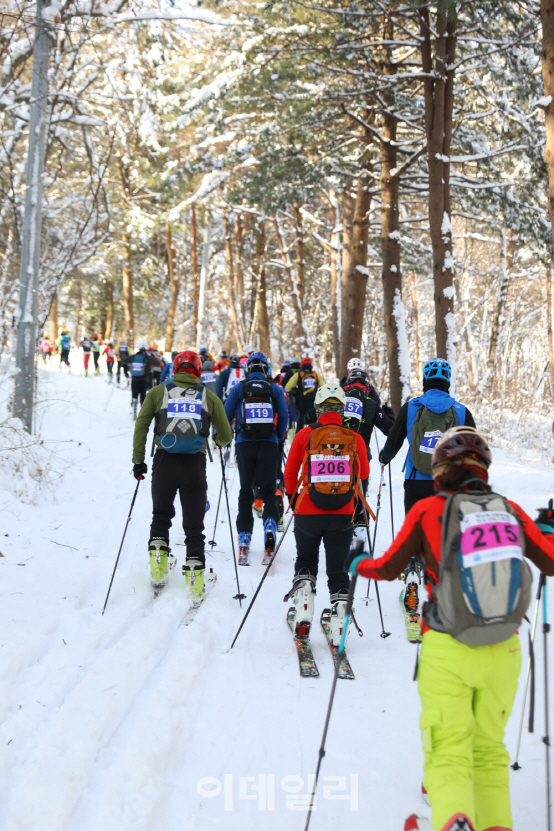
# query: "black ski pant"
414,490
96,356
64,357
257,462
185,474
120,364
336,532
138,387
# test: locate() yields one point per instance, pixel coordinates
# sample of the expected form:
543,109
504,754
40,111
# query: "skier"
86,346
322,495
223,362
44,347
209,378
279,378
109,352
466,691
122,358
305,383
140,368
423,420
356,364
167,371
64,345
156,366
362,413
183,410
204,354
260,410
230,377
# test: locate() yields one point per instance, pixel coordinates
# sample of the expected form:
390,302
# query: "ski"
244,551
308,668
209,583
415,822
267,557
345,670
413,622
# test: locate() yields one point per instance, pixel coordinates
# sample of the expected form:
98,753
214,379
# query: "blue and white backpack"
182,423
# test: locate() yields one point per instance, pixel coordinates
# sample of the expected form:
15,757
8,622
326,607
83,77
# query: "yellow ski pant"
467,695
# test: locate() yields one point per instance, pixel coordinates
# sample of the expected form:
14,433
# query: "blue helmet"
257,362
437,368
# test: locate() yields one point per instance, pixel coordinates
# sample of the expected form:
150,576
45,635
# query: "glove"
545,519
139,469
292,500
387,411
281,447
382,456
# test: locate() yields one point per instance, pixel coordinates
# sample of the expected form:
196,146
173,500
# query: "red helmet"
306,362
463,445
187,362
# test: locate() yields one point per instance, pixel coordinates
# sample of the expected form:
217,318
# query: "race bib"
190,409
329,468
429,441
309,383
137,366
488,536
354,408
111,353
258,414
208,377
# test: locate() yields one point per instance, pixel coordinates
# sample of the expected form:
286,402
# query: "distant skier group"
466,543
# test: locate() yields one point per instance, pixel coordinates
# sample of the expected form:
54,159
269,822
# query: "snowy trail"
132,721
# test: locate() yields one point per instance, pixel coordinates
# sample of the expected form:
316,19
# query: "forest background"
339,179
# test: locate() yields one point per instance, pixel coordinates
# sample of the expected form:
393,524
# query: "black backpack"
354,409
257,409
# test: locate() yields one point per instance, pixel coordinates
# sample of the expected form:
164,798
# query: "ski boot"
162,562
134,404
412,581
281,508
302,594
97,371
86,373
258,507
338,613
245,538
417,823
270,532
359,535
193,571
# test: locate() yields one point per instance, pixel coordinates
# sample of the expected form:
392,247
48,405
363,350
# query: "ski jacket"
223,380
296,456
167,372
293,381
438,402
153,402
421,534
109,352
373,394
64,343
372,416
233,409
222,364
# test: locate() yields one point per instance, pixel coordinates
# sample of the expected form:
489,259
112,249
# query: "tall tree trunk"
174,287
439,99
194,271
399,363
127,280
549,271
108,326
354,268
336,262
261,300
509,243
415,318
300,253
54,317
231,280
203,288
299,333
240,232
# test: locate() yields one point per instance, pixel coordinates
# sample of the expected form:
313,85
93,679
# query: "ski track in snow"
111,722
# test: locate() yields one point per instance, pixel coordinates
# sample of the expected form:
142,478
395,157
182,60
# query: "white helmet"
354,363
142,345
330,393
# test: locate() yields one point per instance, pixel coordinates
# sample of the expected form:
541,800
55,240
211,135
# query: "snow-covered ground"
132,722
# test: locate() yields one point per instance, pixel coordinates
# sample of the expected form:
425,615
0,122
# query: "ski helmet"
461,446
235,360
223,353
437,368
187,361
354,363
306,362
122,343
357,376
330,398
110,343
142,345
257,362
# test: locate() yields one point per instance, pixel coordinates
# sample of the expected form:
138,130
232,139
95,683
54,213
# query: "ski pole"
240,597
546,738
530,664
371,550
340,650
212,542
372,547
261,582
391,511
121,546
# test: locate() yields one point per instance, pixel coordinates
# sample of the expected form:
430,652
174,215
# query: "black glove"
292,500
382,457
387,411
139,470
546,515
281,447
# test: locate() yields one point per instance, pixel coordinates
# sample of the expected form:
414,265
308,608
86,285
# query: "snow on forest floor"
131,722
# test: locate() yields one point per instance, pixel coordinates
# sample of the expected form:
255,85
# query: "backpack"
307,383
427,430
257,409
138,367
354,409
183,421
330,468
64,343
484,585
236,375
